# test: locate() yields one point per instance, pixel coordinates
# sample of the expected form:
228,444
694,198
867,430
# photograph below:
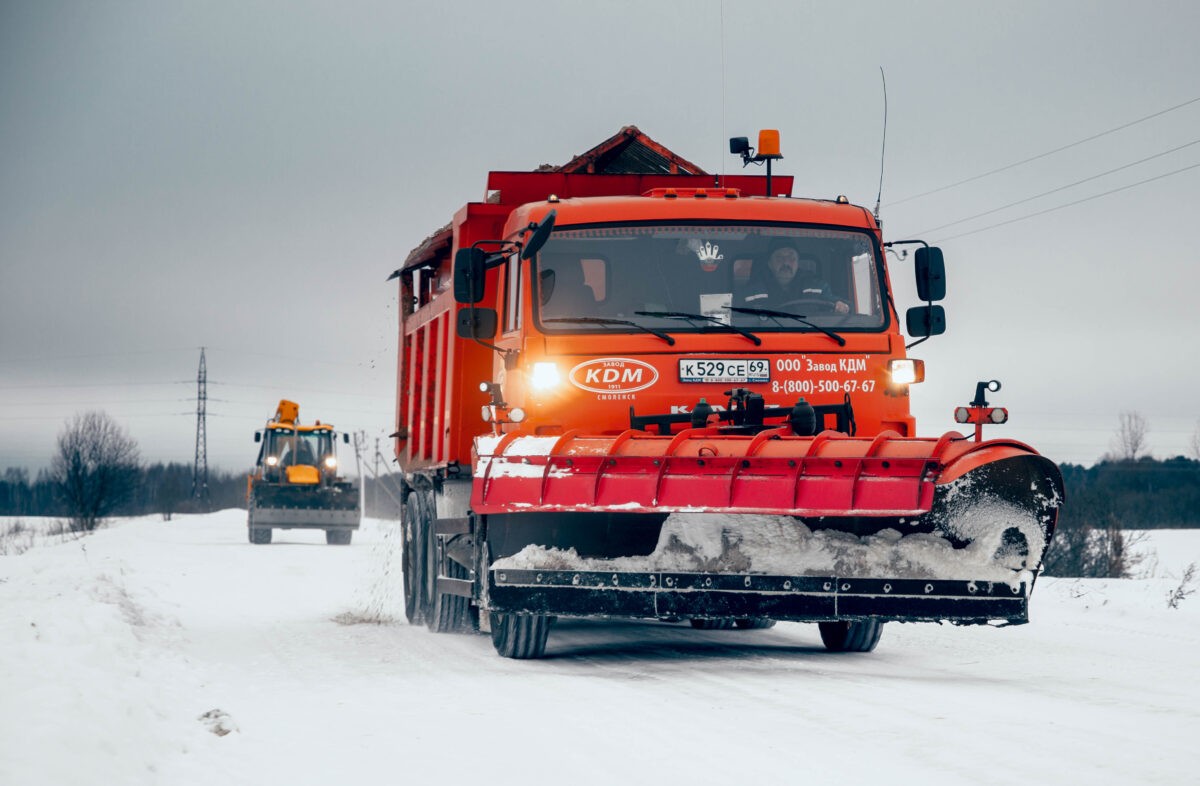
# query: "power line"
303,390
96,384
276,356
94,403
1048,153
124,417
1069,204
1060,188
28,358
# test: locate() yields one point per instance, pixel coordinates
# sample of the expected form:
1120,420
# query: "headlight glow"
906,371
272,461
331,462
545,376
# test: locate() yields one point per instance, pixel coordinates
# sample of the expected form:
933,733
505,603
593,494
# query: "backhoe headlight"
272,461
330,462
906,371
545,376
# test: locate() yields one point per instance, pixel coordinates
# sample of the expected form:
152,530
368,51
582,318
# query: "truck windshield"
742,276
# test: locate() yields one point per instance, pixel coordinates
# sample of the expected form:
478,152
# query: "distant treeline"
166,489
160,488
1142,494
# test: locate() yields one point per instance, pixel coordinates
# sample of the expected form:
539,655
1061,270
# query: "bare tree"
95,468
1195,443
1081,549
1130,439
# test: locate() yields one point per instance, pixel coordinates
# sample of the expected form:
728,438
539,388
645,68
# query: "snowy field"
177,653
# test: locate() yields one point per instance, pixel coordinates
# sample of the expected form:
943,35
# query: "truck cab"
648,304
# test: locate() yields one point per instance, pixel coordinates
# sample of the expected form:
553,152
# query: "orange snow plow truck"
631,389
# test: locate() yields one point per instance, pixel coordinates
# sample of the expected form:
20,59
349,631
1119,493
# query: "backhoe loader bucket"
706,524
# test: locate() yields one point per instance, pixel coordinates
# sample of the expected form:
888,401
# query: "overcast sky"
244,176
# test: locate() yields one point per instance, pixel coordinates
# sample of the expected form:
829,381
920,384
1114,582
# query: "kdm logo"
613,375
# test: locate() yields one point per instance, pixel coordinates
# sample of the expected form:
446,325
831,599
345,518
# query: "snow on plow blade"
709,524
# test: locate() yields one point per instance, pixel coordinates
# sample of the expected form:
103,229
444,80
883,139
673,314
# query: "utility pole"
375,492
200,466
360,437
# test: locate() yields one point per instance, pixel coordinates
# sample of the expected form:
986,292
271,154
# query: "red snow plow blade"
704,470
706,524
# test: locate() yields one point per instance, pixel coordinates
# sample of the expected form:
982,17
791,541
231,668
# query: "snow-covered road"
112,647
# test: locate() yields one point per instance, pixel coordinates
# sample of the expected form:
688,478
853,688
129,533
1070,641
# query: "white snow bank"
126,654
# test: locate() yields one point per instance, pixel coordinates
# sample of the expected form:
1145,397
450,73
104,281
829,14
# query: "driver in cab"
793,281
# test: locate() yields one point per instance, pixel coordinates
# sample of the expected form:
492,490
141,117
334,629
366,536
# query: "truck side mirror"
476,323
540,235
346,437
468,275
925,321
258,436
930,270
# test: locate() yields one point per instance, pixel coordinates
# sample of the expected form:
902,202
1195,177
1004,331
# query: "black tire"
416,603
260,535
856,636
520,636
724,623
338,537
754,623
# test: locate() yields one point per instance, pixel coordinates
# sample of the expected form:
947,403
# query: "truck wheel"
857,636
338,537
260,535
754,623
706,624
415,603
520,636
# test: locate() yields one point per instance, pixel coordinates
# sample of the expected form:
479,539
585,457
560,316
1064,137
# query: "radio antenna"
883,146
721,182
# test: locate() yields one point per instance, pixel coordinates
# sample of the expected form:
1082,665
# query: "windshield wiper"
776,315
702,317
605,321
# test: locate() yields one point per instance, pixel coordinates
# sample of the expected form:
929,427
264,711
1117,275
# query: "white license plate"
724,370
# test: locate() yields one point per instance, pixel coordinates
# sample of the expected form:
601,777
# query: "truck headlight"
906,371
330,462
545,376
